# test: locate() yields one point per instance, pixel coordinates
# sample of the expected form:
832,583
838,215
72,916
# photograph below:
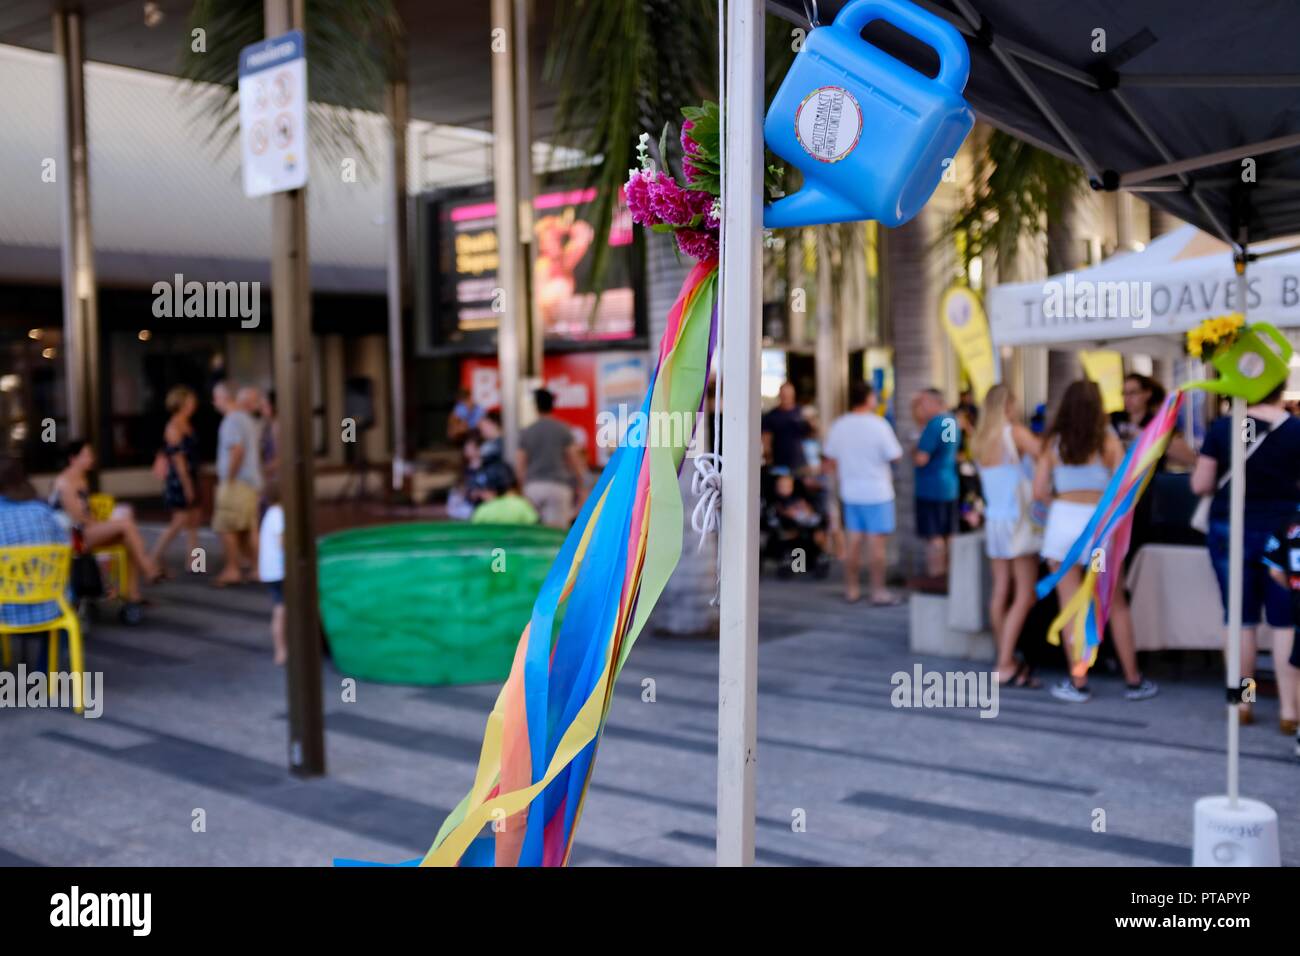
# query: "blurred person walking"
550,464
860,448
180,486
1080,453
239,483
1272,496
1004,451
936,485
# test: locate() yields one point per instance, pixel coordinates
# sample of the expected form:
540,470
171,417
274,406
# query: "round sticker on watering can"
828,123
1250,365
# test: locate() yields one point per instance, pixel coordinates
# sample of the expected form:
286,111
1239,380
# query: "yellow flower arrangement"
1215,333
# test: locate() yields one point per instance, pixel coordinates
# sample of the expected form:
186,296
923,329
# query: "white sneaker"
1066,691
1143,690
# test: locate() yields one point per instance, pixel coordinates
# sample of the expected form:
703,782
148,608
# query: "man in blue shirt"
936,485
25,519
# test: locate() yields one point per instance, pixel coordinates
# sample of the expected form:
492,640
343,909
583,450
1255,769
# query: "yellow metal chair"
101,509
38,574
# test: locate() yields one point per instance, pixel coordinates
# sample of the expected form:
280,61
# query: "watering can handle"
954,58
1284,347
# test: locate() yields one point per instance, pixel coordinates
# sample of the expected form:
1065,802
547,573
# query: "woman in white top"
1005,450
1080,454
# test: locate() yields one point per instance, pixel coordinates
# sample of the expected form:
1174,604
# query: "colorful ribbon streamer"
541,737
1106,536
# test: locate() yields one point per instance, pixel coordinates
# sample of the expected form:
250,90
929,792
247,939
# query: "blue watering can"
869,133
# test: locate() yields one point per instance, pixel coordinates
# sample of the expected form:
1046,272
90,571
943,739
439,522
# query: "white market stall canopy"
1144,301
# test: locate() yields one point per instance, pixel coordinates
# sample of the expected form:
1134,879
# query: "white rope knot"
706,486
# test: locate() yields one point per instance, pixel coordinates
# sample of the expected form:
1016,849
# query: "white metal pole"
1236,515
507,201
1236,560
742,207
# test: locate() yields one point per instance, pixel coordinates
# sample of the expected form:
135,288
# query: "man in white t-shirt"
860,448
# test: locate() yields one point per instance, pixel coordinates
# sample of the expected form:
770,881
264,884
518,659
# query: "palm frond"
623,67
1015,187
352,49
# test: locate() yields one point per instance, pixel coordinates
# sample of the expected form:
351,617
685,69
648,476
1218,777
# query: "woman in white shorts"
1081,452
1004,451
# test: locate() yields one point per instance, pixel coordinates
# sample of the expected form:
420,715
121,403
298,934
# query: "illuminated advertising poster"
590,389
466,300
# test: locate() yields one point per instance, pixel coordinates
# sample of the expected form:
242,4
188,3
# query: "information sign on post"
273,114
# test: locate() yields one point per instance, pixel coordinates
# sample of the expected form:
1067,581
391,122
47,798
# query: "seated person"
792,509
463,496
489,431
500,500
71,496
794,522
26,520
464,416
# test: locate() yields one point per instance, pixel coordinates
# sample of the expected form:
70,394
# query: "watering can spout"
808,207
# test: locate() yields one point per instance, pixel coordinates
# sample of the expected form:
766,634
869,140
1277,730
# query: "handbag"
87,582
160,465
1200,520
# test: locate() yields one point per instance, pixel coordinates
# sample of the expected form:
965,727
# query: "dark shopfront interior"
141,358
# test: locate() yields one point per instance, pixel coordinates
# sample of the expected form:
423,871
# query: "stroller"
793,526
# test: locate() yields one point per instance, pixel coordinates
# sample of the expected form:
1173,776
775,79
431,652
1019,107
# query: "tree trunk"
1064,254
912,286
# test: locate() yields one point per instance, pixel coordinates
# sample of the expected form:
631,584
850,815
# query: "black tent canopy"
1175,98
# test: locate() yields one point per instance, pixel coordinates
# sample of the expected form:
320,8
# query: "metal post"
511,293
80,307
530,328
291,328
742,205
1236,560
398,108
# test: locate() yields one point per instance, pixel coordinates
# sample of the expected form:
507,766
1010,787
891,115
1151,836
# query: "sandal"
1023,677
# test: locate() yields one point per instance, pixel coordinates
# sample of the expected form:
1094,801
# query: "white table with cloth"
1175,600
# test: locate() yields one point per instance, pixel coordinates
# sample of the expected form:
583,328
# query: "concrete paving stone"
194,717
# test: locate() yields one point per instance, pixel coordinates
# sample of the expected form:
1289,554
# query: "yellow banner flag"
1106,368
968,330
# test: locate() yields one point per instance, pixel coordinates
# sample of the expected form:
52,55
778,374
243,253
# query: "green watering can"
1253,367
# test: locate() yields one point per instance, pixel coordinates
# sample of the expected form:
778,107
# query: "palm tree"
624,67
1016,190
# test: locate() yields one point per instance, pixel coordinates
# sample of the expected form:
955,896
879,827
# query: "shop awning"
1181,95
1144,301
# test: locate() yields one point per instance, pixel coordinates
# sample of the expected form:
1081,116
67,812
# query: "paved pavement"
194,721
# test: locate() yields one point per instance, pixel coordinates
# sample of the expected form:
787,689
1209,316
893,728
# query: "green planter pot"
431,602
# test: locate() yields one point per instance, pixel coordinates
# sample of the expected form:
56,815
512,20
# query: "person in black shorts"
1282,558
